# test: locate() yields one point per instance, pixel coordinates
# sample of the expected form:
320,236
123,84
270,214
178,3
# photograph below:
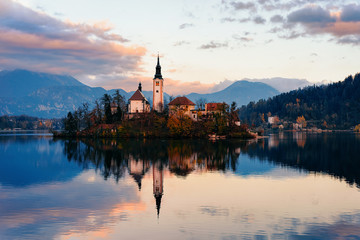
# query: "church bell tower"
158,83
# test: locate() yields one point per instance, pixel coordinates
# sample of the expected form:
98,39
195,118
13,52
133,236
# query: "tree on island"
106,102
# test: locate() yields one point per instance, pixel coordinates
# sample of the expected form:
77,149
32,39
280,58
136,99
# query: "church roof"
138,96
181,101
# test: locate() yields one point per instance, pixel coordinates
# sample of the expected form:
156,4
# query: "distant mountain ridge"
280,84
17,82
53,96
241,92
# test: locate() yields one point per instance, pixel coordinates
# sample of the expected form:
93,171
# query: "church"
138,102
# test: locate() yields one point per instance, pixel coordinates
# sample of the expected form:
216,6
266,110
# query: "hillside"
241,92
21,83
334,106
42,94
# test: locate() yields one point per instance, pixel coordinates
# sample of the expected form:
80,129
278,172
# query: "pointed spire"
158,203
140,87
158,69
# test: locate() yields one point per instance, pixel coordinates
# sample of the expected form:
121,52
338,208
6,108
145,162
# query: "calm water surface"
289,186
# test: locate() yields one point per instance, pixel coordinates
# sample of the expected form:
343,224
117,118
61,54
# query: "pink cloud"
36,41
171,86
339,23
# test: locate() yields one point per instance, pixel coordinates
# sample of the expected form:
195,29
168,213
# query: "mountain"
42,94
241,92
53,96
280,84
21,83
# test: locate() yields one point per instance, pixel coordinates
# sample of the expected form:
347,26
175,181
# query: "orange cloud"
343,28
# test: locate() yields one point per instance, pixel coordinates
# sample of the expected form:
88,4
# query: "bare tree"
200,103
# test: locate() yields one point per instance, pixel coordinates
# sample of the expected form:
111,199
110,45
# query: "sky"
114,44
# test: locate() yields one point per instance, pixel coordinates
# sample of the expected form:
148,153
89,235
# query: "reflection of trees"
113,157
334,154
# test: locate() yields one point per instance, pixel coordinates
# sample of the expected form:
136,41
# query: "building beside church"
138,102
215,108
181,104
158,91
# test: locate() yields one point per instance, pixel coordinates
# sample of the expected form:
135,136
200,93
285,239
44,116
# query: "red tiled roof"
181,101
138,96
213,106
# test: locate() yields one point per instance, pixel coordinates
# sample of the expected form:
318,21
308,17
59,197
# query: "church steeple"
158,203
158,69
158,84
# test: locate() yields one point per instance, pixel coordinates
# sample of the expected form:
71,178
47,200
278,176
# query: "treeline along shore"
335,107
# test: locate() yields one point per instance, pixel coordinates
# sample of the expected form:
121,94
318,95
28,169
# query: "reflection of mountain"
247,166
33,162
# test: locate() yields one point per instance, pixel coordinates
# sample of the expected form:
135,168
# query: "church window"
157,91
157,83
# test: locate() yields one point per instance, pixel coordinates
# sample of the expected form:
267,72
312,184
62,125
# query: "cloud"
31,39
229,19
351,13
343,24
301,18
180,43
292,35
176,87
243,5
259,20
171,86
186,25
212,45
311,14
353,40
277,19
243,38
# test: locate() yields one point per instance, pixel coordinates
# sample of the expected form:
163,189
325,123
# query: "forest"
333,106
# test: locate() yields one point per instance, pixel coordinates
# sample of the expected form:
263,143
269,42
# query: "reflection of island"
334,154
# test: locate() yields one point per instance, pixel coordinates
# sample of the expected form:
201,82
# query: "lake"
288,186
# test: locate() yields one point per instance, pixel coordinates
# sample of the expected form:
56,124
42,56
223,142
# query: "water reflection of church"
116,158
138,168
